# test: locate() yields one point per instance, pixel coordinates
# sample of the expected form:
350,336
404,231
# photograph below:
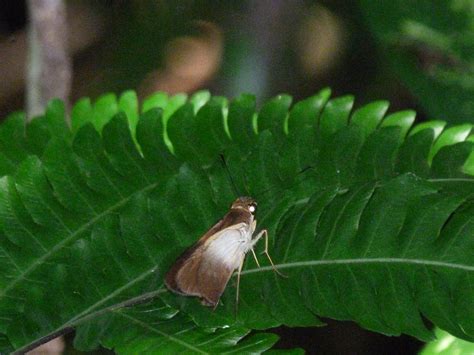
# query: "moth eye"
252,208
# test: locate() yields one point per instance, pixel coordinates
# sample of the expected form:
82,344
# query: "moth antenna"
232,182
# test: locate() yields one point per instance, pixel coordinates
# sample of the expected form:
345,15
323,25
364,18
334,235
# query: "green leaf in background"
430,46
152,328
18,140
370,219
13,144
446,344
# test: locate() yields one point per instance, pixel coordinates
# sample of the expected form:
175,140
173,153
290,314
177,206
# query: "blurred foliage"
374,46
447,344
430,47
427,46
137,37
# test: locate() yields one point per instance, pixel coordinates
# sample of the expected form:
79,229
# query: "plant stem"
49,64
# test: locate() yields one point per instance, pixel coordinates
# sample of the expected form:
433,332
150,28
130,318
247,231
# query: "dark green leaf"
378,230
273,116
428,46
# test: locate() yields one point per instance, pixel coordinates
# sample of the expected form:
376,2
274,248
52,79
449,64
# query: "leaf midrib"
112,295
423,262
88,317
40,261
84,318
163,334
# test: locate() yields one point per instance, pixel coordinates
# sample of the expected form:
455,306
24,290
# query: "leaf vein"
166,335
38,262
407,261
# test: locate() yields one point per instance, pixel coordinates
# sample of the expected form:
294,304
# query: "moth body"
205,268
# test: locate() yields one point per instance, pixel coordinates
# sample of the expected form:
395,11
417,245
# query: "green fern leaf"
18,140
154,328
378,231
446,344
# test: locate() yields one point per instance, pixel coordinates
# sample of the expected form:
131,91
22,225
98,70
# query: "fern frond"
378,228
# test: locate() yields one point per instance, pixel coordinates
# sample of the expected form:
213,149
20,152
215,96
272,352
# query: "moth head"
246,203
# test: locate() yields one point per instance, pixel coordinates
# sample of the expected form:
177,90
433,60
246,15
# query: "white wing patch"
229,245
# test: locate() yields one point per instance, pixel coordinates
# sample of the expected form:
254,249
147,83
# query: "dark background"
416,54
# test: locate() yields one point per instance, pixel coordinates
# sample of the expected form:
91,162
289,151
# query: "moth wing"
209,265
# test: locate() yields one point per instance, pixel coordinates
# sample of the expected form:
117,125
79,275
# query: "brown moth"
205,268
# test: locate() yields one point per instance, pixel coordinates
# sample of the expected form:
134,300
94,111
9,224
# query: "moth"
205,268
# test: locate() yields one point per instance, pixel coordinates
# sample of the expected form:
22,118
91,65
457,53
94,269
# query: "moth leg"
255,257
264,233
238,285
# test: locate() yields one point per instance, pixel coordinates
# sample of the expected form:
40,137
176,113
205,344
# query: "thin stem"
49,64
